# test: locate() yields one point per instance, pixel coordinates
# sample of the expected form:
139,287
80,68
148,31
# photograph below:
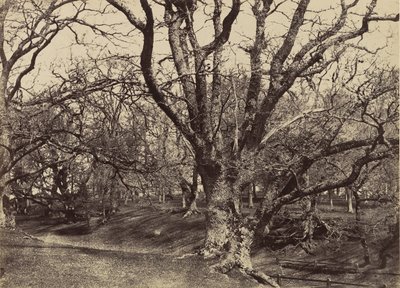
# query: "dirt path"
33,263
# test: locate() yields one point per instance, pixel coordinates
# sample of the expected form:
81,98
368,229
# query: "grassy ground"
141,247
34,263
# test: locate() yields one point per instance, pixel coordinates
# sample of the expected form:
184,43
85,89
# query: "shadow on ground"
33,263
144,243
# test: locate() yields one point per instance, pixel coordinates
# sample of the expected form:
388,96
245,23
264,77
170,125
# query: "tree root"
227,266
187,255
261,278
308,246
191,212
28,236
207,254
176,210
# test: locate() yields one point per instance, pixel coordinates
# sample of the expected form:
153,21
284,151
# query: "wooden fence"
328,281
319,266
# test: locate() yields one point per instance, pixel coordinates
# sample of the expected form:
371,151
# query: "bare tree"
200,114
19,50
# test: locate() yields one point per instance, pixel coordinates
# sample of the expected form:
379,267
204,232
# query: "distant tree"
94,128
26,29
190,193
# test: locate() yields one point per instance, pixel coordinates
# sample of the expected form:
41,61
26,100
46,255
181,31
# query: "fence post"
315,264
279,279
328,283
357,268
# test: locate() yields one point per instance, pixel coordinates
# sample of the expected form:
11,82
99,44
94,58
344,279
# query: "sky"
60,52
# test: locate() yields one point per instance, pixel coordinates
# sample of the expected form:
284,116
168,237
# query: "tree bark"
357,205
252,189
229,235
4,143
2,214
4,125
308,217
183,199
330,194
225,225
224,221
115,194
349,194
126,200
194,192
189,194
221,210
185,188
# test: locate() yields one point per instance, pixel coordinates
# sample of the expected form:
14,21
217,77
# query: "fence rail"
318,266
324,266
328,281
327,266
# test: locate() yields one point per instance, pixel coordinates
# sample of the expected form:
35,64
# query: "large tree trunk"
229,235
222,217
223,214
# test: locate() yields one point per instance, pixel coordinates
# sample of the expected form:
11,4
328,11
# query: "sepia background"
199,143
